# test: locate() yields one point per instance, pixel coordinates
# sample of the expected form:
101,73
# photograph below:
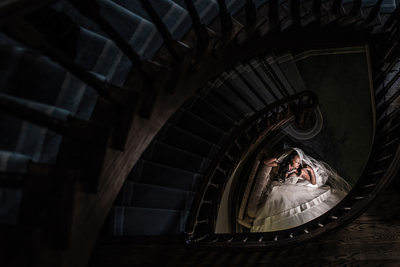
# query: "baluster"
215,240
388,130
251,14
229,27
295,13
393,114
355,8
274,12
393,97
273,21
388,144
337,4
382,75
391,20
373,13
203,34
91,9
385,89
226,18
316,7
371,185
254,19
177,49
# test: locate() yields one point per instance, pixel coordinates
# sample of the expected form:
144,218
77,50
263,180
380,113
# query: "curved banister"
258,119
382,166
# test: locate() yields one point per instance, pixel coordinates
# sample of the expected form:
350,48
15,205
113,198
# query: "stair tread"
163,175
292,74
198,106
175,157
198,126
263,74
146,221
286,86
173,135
154,196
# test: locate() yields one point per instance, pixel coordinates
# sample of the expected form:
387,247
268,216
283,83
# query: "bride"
305,188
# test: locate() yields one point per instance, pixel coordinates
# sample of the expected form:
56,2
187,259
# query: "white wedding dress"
296,201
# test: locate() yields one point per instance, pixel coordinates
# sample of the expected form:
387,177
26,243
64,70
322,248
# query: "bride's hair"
323,172
284,165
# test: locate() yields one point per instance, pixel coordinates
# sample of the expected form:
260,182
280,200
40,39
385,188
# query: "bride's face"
296,162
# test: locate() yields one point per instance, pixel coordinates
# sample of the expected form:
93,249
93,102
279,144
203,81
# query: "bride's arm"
310,171
271,162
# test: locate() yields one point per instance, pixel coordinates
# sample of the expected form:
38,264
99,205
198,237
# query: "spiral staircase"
145,103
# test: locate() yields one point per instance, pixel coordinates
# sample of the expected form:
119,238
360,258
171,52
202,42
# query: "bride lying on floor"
304,189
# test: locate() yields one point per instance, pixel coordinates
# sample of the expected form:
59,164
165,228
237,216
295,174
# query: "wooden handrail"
386,151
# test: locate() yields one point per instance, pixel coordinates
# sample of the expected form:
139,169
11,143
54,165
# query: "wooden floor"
371,240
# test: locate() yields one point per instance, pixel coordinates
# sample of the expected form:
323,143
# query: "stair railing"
203,215
381,168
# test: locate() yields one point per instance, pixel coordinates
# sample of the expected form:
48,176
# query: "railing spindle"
355,8
251,14
91,9
226,19
373,13
175,47
295,13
